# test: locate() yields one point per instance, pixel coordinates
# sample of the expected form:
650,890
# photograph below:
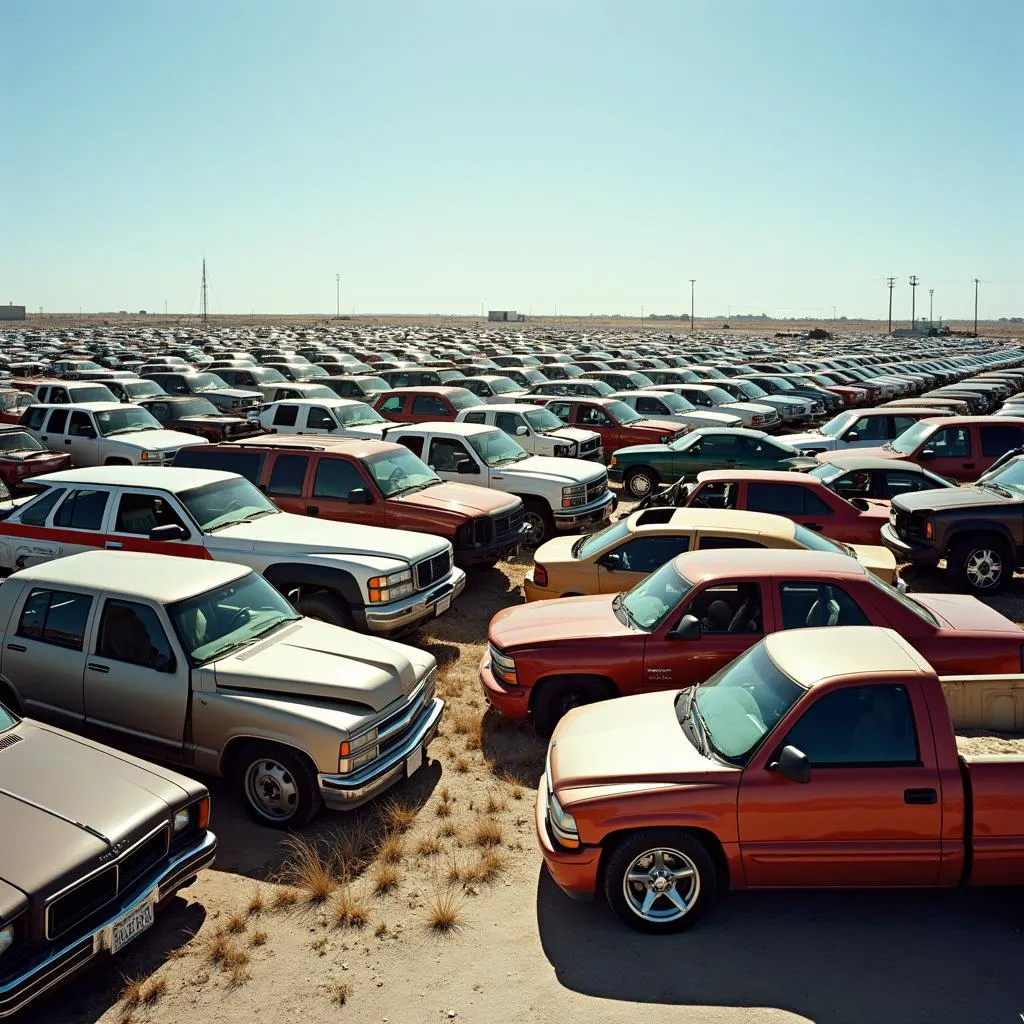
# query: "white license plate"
123,931
414,761
443,605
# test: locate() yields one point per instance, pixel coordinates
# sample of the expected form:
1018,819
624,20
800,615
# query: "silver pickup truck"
206,665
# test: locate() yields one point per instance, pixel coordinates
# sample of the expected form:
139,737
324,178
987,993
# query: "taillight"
540,576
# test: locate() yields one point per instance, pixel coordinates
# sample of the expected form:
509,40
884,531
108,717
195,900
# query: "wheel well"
644,468
289,577
540,685
973,535
236,746
116,460
708,840
9,697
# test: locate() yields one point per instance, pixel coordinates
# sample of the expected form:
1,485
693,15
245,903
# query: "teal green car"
642,468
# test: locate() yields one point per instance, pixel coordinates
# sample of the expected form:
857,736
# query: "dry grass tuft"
349,910
461,765
286,898
258,938
353,848
399,815
312,871
385,878
343,993
447,830
381,930
496,803
236,924
486,868
428,847
239,975
131,993
487,832
391,848
444,909
443,810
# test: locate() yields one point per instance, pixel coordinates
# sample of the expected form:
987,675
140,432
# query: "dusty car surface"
94,844
819,758
206,665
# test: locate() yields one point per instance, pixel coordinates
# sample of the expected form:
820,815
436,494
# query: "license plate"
414,761
443,605
123,931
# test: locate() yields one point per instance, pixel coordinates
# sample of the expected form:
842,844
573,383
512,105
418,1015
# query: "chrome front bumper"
405,615
566,519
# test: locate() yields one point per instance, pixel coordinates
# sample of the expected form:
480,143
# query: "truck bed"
982,743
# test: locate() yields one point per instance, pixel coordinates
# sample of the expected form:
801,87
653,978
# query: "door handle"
98,668
312,510
968,465
113,545
16,647
920,796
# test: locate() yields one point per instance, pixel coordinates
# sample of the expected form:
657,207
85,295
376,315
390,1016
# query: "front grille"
507,525
393,731
596,489
430,570
142,858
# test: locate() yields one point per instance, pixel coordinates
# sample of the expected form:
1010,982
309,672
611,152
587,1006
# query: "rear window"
247,464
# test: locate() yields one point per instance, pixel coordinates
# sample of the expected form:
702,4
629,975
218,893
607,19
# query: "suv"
538,430
424,405
342,416
71,392
133,390
617,424
200,417
210,386
559,494
363,387
493,389
372,482
105,434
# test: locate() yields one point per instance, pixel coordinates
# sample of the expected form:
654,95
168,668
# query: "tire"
981,565
556,697
655,859
542,522
278,786
641,482
325,606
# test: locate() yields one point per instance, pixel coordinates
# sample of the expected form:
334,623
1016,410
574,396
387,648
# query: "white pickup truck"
377,580
538,430
559,494
342,417
205,665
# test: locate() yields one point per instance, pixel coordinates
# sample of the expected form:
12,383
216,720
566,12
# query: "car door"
136,681
790,500
286,481
333,493
318,420
636,558
79,520
137,513
446,454
429,407
82,439
953,453
994,441
871,813
54,431
44,655
392,408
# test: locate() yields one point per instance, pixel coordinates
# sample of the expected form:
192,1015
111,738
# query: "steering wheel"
234,622
398,472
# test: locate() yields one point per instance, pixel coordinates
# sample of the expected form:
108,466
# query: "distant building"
505,315
12,312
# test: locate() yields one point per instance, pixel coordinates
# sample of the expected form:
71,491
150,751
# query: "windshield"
742,703
371,385
99,393
674,402
19,441
816,542
504,385
401,472
122,421
827,472
623,413
205,382
265,375
591,544
194,407
357,414
911,438
835,426
907,601
532,376
225,503
1010,476
751,390
543,420
718,395
495,447
220,621
7,720
463,399
142,388
652,600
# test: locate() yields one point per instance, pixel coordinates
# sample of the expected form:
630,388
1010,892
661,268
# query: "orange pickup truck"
820,758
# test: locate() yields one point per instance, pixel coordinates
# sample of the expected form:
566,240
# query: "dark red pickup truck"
619,424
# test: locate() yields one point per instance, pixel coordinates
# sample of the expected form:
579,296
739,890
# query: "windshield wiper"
998,488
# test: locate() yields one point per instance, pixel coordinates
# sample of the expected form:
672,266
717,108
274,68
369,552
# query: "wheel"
660,880
542,523
278,785
326,607
640,482
557,697
981,566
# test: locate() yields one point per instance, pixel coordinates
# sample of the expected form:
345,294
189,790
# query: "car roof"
777,476
170,478
356,446
446,427
161,578
751,563
854,461
504,407
87,406
428,389
732,520
813,656
333,403
961,421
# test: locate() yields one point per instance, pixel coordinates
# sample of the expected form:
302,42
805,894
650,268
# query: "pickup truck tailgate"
996,787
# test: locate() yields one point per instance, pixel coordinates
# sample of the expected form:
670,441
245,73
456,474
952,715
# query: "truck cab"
538,430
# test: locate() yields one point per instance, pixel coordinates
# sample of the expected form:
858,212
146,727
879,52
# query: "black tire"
556,697
981,565
641,482
638,853
320,604
542,522
285,778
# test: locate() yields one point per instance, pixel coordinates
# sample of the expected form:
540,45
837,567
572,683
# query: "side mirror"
360,496
171,531
791,764
466,467
926,454
688,629
693,450
522,432
852,435
610,561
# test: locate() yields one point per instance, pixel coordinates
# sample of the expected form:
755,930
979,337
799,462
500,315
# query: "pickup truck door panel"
871,815
133,514
957,449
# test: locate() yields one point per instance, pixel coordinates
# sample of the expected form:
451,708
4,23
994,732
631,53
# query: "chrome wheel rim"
661,885
271,789
538,529
984,568
640,485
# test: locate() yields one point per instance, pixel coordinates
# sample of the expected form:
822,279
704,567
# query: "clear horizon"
579,158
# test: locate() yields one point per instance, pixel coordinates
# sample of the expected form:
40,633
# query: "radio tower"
202,302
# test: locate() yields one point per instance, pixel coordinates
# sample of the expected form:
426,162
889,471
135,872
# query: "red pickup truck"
619,424
425,404
697,612
819,758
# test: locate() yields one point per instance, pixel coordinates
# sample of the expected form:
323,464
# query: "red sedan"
21,455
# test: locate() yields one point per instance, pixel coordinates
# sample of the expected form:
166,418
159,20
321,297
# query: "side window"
176,386
645,554
858,725
654,405
901,423
509,422
429,405
475,417
160,410
58,421
872,428
336,478
247,464
35,512
729,608
950,443
79,425
709,542
55,617
780,499
998,440
806,603
288,475
592,416
392,404
814,505
561,410
82,510
318,418
414,444
132,633
446,454
137,514
714,495
286,416
896,482
34,418
724,446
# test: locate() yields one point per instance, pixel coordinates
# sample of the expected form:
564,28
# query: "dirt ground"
348,923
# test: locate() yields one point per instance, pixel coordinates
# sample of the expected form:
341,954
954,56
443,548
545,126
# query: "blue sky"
587,156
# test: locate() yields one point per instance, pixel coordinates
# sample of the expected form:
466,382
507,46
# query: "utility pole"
693,281
931,298
913,301
892,284
641,316
203,306
337,295
975,307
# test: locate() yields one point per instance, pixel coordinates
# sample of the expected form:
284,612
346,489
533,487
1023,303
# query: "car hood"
663,425
576,434
33,456
752,407
455,497
318,660
698,417
866,453
233,392
159,440
374,431
570,618
878,560
553,468
962,611
808,439
308,537
623,742
951,497
200,418
799,463
557,551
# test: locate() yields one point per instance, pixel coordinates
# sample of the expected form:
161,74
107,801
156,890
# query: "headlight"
390,588
182,820
789,409
562,449
757,419
354,753
503,667
573,496
6,938
151,456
